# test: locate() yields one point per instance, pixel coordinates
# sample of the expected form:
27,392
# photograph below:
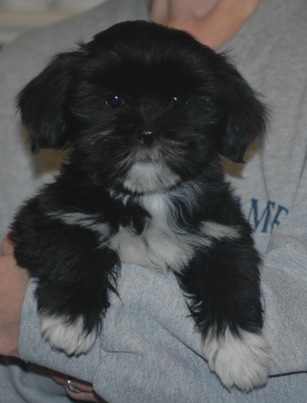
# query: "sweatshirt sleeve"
149,339
284,282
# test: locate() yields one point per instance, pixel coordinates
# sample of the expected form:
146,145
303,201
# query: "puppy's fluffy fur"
145,112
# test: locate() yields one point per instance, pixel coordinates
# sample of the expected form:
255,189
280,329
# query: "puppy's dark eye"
115,100
178,102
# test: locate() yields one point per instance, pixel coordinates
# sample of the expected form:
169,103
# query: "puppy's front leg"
74,276
71,311
222,284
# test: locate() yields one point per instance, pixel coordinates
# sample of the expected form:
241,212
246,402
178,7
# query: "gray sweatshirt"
149,350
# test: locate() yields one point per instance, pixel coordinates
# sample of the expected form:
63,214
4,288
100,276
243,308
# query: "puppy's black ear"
42,103
245,115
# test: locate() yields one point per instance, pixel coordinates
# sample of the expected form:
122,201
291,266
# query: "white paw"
67,336
240,361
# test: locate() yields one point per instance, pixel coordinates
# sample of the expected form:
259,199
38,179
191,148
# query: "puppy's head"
143,107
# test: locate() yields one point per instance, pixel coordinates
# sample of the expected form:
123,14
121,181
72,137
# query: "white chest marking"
162,244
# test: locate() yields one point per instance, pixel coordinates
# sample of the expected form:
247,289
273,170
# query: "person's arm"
149,348
284,282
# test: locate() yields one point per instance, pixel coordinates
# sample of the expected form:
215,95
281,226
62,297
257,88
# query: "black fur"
140,93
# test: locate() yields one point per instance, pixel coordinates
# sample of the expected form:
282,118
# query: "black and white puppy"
145,112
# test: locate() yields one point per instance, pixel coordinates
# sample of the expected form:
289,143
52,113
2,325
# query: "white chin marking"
240,361
66,336
145,177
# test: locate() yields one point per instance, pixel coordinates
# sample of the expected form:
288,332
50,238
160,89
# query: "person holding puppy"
156,360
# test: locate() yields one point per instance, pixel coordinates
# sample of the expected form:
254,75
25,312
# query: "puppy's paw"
240,361
70,337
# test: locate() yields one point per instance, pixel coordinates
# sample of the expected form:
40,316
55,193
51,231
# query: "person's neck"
212,22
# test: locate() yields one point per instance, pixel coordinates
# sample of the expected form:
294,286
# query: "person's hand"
13,282
78,390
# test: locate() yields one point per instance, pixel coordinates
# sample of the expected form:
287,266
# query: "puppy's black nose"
148,137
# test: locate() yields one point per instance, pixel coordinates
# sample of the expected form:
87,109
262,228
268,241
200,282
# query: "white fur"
162,244
149,177
168,245
66,336
240,361
86,221
218,231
